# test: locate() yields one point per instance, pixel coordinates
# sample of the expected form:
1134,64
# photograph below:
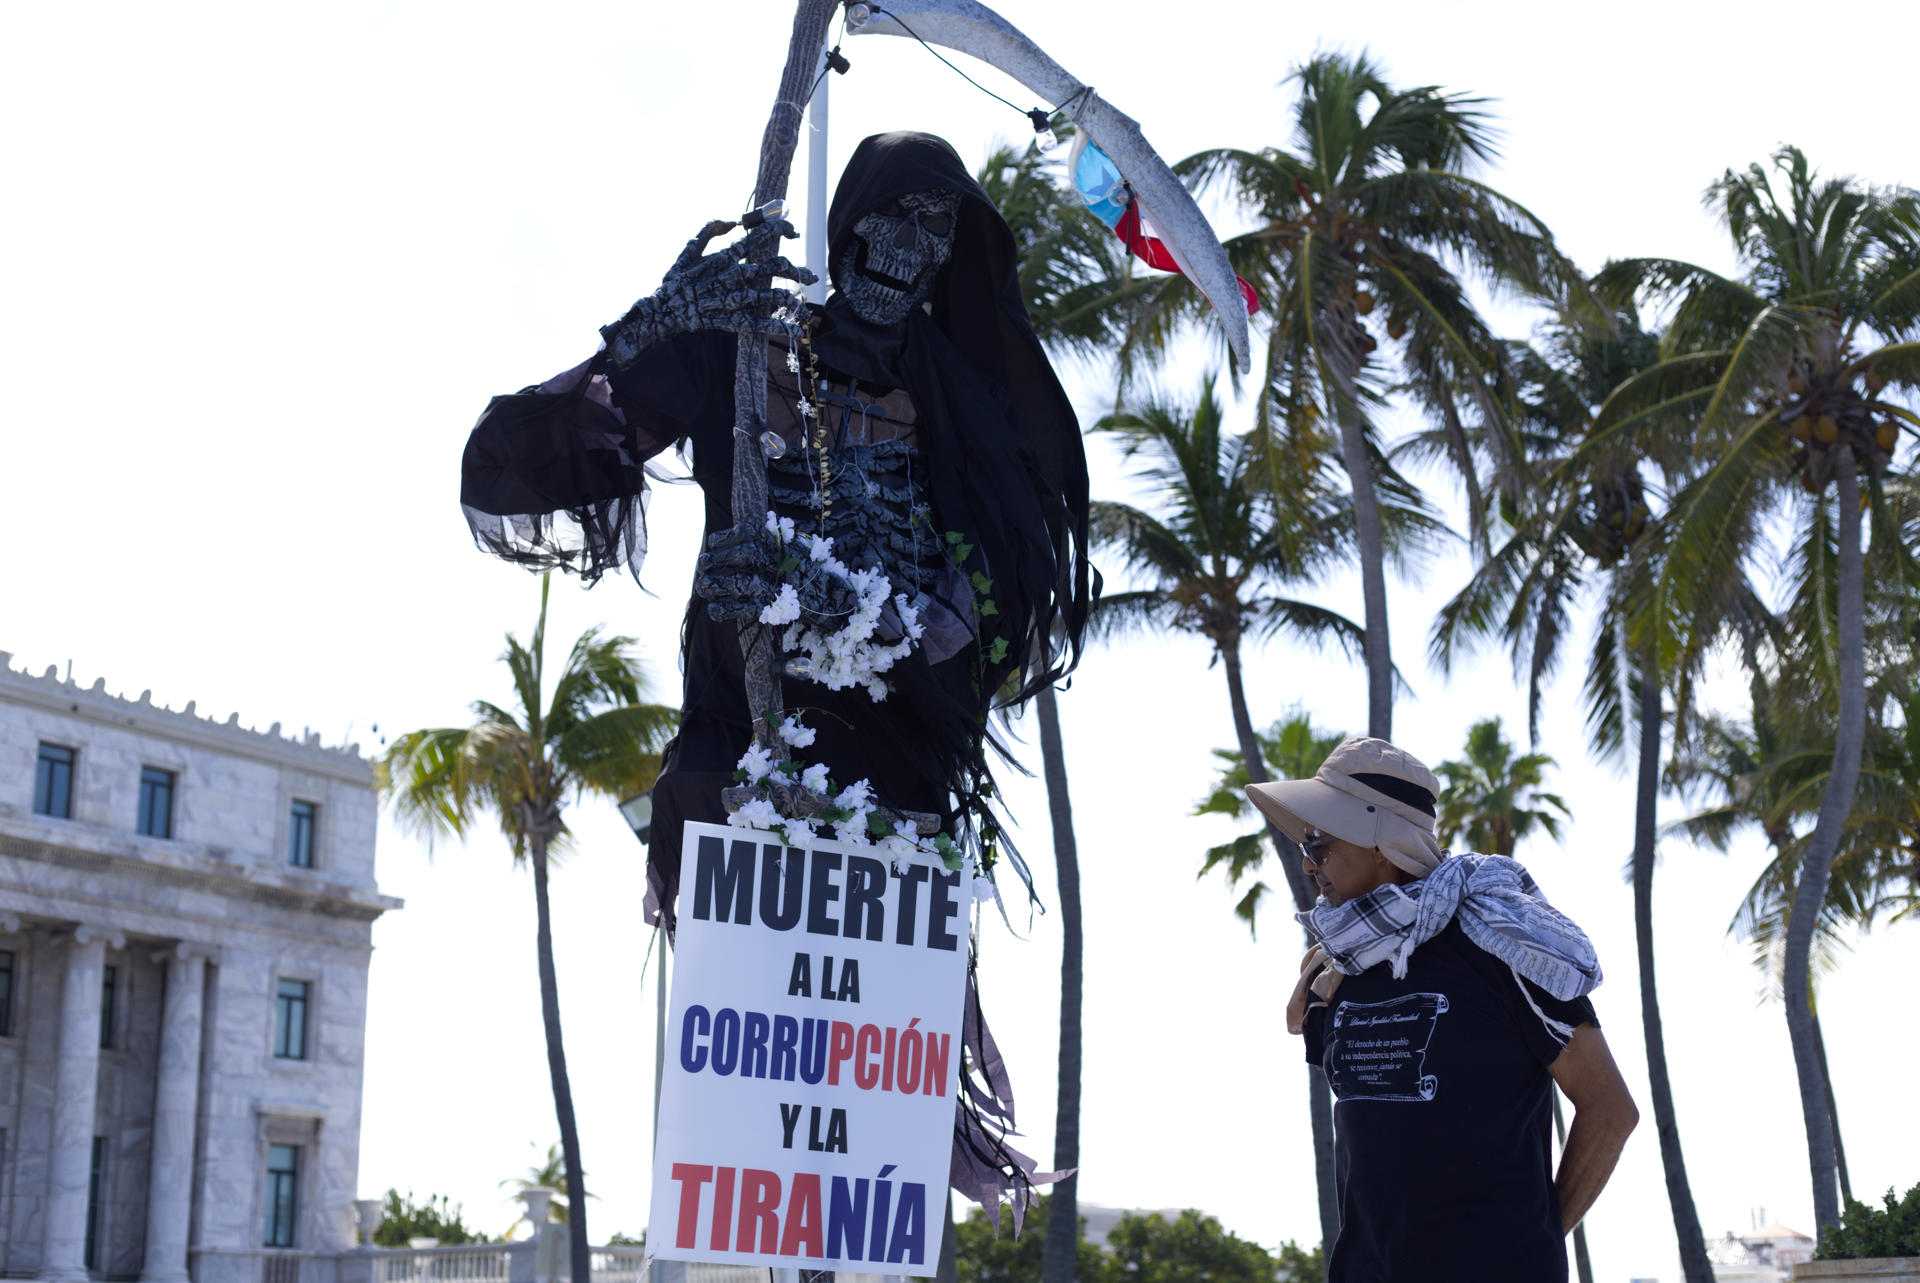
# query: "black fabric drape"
1004,467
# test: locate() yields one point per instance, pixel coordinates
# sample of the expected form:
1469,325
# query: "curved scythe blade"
978,31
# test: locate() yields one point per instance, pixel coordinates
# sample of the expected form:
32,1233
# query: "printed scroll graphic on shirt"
1379,1049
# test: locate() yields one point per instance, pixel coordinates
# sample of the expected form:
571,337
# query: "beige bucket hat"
1368,792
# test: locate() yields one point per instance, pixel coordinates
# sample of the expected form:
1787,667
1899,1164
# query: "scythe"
973,29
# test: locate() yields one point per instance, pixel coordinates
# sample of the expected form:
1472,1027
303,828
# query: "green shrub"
1866,1232
431,1217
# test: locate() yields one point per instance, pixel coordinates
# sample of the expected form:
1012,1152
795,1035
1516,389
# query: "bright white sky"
264,264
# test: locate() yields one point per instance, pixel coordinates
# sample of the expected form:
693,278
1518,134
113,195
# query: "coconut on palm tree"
1790,372
589,731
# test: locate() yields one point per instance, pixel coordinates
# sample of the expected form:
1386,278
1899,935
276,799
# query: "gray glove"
739,574
718,291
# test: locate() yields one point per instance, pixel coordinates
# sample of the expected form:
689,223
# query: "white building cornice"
92,703
77,848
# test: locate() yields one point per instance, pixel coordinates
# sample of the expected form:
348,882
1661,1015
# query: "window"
283,1170
290,1020
156,802
300,845
108,976
6,992
53,782
93,1197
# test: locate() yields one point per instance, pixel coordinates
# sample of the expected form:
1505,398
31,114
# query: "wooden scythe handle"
757,642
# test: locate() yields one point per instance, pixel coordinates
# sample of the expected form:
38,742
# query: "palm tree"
1589,536
1492,797
1293,749
1214,561
1369,220
1790,375
1068,262
1770,773
549,1173
593,734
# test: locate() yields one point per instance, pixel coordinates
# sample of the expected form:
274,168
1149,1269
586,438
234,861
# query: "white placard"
813,1048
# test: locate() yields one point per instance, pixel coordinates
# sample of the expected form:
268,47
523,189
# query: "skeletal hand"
728,290
739,574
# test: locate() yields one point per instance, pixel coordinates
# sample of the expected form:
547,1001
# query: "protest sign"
813,1043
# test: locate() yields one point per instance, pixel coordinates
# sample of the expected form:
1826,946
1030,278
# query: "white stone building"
186,913
1766,1255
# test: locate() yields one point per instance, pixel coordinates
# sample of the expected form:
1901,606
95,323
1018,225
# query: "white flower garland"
846,657
849,655
852,817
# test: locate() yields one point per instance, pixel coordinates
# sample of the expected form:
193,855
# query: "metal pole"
659,1030
817,184
660,1271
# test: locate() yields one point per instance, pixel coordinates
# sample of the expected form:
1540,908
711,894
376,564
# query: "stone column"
76,1080
176,1107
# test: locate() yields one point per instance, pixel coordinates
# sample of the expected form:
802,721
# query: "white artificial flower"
856,795
795,734
783,609
793,361
814,778
801,832
983,888
821,548
909,618
757,814
903,853
757,762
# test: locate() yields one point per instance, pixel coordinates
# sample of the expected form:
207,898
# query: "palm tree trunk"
1256,766
1061,1250
1319,1095
577,1243
1686,1220
1582,1262
1373,576
1849,735
1833,1111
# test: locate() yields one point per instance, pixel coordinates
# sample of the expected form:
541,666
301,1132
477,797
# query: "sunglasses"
1316,846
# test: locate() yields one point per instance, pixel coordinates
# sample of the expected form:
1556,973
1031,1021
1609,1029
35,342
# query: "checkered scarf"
1499,907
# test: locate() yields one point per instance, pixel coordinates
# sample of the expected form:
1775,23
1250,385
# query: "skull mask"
887,267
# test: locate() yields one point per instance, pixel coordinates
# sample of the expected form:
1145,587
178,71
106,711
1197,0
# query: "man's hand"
1317,979
724,290
1604,1115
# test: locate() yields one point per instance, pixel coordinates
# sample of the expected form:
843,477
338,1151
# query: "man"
1443,999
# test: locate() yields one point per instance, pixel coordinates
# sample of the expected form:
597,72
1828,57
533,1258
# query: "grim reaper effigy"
896,501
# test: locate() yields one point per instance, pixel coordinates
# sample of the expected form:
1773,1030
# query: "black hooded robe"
1002,463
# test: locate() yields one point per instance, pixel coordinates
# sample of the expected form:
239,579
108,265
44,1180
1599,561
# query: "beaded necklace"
801,333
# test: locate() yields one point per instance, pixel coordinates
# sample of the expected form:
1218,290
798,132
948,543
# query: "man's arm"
1603,1117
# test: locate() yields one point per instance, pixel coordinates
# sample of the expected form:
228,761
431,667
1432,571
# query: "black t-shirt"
1443,1120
